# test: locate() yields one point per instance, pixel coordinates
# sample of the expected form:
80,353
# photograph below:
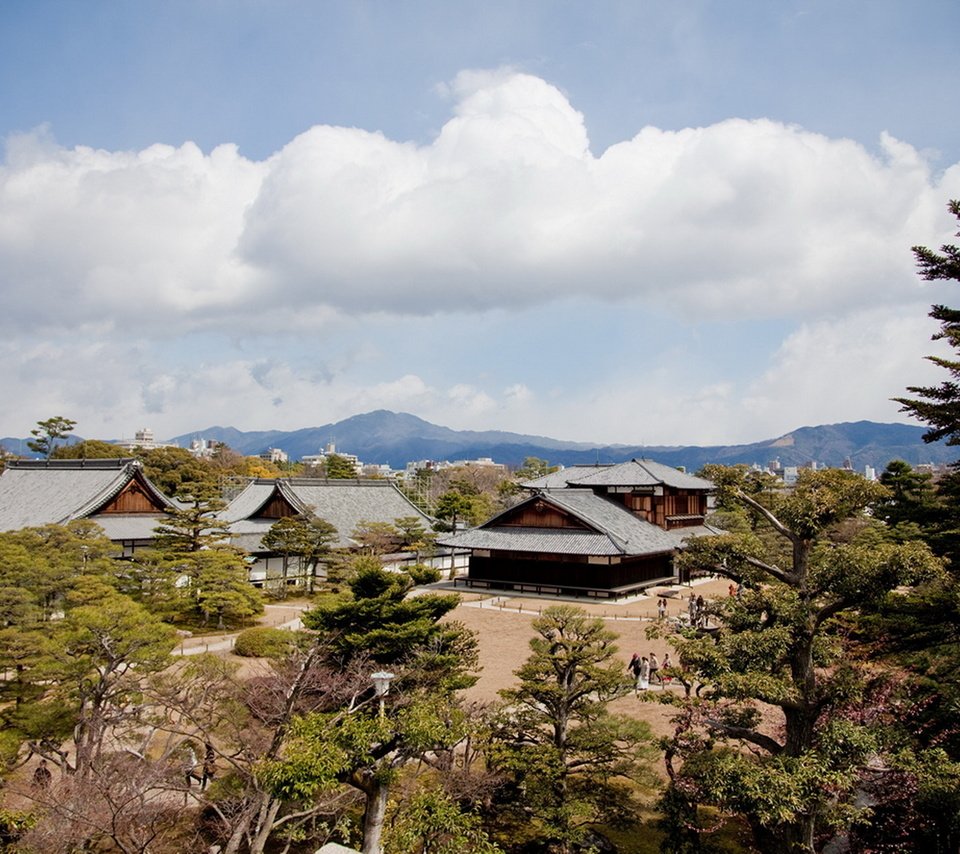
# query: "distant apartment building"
144,440
414,468
273,455
329,451
480,462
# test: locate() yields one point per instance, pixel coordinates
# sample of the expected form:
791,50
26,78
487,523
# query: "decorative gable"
135,497
540,513
278,507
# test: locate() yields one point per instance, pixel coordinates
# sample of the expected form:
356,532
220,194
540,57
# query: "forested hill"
396,438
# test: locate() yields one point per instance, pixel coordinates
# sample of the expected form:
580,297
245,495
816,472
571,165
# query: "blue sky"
613,222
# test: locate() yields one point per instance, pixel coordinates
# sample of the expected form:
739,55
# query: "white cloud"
506,207
184,288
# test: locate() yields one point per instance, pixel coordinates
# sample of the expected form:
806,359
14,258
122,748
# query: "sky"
615,222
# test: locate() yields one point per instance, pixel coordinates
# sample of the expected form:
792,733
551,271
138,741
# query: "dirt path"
283,616
504,626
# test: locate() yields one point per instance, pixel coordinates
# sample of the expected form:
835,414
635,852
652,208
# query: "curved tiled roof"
642,473
342,503
613,530
543,540
44,492
560,478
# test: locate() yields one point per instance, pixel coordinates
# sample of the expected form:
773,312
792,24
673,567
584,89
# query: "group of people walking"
649,669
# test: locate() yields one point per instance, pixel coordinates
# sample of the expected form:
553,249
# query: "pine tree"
939,406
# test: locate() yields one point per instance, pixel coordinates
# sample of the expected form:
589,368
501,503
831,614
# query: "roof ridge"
599,528
125,475
95,463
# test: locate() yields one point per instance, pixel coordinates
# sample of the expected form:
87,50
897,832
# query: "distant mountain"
397,438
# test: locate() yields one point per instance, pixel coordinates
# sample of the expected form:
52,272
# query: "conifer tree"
782,645
939,406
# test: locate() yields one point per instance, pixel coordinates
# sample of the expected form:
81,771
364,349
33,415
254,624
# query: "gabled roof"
342,503
45,492
254,496
560,478
641,473
613,530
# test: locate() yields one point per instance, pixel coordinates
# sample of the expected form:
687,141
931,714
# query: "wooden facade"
276,508
674,509
567,575
540,514
606,533
133,498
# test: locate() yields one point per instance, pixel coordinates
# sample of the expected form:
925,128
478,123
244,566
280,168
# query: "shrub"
264,642
422,574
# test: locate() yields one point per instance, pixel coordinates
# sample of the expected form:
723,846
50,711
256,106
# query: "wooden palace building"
601,531
114,493
345,504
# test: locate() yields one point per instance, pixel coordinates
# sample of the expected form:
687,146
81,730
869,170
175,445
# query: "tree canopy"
939,406
47,432
781,643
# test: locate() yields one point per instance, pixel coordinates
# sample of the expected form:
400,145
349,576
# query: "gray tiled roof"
254,495
43,492
642,473
342,503
548,540
614,530
130,526
559,479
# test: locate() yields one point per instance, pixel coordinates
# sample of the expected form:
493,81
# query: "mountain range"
396,438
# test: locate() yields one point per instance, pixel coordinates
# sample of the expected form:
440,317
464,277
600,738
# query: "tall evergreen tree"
195,524
939,406
568,763
309,539
782,644
358,747
47,432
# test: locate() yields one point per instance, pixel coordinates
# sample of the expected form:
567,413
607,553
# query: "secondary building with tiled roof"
603,531
342,503
114,493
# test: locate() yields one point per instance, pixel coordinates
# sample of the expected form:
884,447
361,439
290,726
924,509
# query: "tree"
338,467
218,581
431,822
379,621
912,500
42,565
77,677
308,538
108,649
375,538
532,468
244,723
920,630
414,537
939,406
171,468
128,804
453,506
195,524
430,660
89,449
570,763
782,643
47,432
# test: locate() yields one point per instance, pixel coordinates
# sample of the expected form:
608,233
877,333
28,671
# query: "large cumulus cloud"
180,288
507,206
